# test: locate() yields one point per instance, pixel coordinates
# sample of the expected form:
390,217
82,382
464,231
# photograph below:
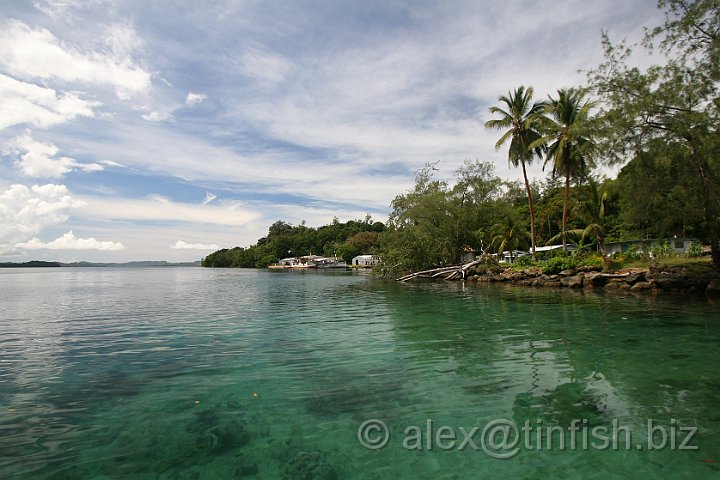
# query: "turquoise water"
190,373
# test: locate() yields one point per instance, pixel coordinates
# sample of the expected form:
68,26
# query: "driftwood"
448,273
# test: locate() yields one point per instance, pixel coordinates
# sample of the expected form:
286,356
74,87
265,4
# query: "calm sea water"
190,373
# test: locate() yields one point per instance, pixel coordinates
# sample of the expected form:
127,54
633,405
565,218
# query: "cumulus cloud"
193,99
26,211
38,159
70,242
37,53
180,245
26,103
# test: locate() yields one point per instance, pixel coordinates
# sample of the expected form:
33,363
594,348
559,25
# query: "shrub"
696,250
633,253
558,264
664,250
524,261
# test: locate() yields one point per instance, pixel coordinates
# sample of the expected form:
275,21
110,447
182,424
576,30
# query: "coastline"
660,279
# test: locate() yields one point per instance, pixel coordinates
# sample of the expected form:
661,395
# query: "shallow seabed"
190,373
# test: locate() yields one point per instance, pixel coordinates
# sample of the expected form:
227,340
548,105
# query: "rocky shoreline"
654,279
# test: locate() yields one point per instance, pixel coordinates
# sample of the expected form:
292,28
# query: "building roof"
646,240
548,248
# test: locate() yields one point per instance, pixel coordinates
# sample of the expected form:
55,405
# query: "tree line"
344,240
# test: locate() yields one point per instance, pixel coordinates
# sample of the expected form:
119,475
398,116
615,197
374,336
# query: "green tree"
674,104
651,182
433,223
509,234
591,210
520,119
567,127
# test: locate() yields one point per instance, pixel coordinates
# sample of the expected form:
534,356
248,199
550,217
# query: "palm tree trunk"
532,210
603,250
565,209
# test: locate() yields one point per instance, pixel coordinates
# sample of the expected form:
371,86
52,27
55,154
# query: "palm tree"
520,120
590,209
508,235
566,126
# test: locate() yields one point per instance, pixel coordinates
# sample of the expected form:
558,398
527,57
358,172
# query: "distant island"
136,264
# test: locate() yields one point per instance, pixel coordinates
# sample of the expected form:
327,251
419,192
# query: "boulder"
567,273
634,278
671,281
576,281
641,286
594,279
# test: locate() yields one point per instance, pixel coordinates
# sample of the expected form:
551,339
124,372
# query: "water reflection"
195,373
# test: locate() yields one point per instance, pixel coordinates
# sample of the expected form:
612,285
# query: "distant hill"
32,263
138,264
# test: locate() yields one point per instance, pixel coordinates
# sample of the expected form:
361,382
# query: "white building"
366,261
678,245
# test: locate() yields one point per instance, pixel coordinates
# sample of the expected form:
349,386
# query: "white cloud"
39,159
180,245
209,197
37,53
62,8
70,242
26,103
350,179
25,212
265,66
193,99
157,117
159,209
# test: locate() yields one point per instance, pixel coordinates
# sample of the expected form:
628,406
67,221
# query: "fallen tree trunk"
448,273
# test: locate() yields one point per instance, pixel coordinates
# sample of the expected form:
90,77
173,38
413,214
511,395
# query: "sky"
163,130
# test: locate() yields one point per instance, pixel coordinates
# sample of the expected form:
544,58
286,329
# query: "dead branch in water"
449,273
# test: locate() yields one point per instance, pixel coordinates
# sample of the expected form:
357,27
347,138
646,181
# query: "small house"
366,261
510,257
678,245
547,250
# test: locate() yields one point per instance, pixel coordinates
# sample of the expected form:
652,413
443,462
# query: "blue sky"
161,130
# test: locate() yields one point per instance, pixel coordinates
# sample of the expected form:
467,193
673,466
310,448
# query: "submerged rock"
713,287
641,286
309,466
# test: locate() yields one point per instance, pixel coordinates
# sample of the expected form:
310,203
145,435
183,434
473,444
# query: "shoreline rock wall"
655,280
